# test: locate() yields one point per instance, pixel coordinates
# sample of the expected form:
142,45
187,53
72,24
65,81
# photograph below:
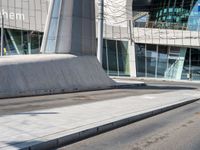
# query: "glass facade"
24,22
53,30
194,18
116,58
192,64
19,42
170,61
173,14
157,61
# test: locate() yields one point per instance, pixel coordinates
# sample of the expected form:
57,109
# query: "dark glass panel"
140,59
113,70
123,57
151,60
162,61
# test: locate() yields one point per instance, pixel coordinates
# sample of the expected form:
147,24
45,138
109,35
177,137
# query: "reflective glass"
112,56
53,28
116,58
140,59
162,61
151,60
195,64
18,42
123,58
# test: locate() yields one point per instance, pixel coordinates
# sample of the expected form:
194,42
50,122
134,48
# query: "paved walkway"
25,129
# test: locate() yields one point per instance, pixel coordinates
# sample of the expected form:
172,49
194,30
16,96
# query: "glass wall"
141,63
53,28
18,42
115,57
195,64
174,12
169,62
194,18
151,58
162,61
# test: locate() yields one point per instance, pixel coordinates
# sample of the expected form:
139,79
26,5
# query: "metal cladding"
71,28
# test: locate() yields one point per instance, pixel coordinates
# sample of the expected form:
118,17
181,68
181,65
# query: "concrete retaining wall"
50,74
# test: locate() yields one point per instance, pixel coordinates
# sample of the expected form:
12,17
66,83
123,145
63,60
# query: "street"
41,116
18,105
178,129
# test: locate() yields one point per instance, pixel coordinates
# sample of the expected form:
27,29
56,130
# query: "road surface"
178,129
18,105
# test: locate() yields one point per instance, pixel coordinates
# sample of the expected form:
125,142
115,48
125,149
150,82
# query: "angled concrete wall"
50,74
70,35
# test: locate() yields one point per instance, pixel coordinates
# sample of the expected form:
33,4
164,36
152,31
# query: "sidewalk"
142,79
51,128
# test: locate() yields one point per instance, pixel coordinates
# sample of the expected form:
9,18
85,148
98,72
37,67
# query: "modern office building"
142,38
167,44
24,22
162,40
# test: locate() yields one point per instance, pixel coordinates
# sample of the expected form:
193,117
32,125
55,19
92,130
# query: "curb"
93,131
127,85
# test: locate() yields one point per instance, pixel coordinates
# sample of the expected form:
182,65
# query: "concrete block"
50,74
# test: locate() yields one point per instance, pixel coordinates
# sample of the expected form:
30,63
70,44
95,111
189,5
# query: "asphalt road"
178,129
18,105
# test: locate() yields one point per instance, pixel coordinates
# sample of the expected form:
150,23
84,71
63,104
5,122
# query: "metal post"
100,32
2,33
130,30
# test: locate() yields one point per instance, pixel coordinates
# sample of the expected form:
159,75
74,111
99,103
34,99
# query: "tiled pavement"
24,129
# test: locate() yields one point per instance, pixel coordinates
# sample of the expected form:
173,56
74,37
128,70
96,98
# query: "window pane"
112,57
151,60
162,61
140,59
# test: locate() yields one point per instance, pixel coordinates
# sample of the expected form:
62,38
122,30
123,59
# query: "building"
167,44
142,38
153,39
24,22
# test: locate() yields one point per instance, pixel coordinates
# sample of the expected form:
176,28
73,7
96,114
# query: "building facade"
167,44
162,40
24,22
142,38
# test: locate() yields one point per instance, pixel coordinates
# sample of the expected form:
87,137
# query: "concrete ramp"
50,74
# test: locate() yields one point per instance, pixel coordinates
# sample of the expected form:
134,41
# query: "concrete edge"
156,79
128,85
73,137
63,91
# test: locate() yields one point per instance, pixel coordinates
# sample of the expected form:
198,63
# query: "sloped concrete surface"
50,74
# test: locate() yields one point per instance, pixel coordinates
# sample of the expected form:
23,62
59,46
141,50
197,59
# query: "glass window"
123,57
22,42
186,67
151,60
162,61
51,40
105,56
112,56
195,64
140,59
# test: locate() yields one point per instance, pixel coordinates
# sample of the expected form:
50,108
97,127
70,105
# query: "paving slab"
51,128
